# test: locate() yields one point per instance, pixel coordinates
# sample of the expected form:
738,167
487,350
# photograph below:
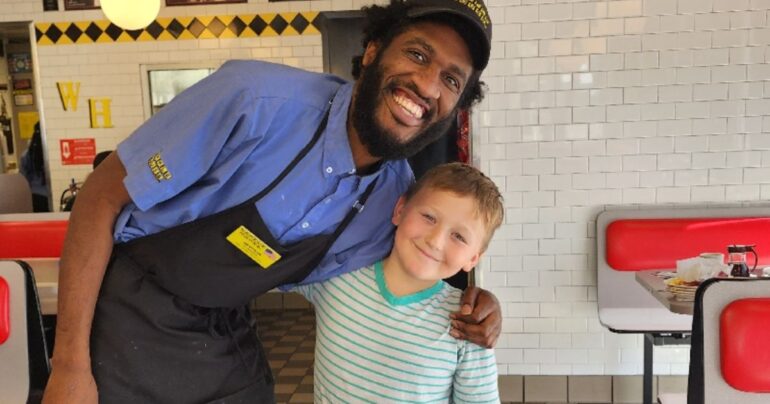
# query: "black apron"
172,323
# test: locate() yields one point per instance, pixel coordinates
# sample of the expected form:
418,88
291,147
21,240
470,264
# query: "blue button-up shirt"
226,138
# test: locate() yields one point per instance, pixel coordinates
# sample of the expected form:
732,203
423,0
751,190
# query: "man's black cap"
473,11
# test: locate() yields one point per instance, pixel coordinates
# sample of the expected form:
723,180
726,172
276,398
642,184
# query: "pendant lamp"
131,14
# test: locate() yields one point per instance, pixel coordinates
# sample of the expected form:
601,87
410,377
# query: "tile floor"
289,339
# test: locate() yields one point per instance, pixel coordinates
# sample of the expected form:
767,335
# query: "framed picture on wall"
19,63
22,84
194,2
23,98
50,5
81,4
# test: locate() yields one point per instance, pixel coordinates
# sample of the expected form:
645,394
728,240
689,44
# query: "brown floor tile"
285,388
301,398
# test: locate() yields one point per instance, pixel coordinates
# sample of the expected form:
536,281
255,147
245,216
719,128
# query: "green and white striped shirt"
374,347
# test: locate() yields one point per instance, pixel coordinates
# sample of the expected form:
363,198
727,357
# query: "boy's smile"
439,233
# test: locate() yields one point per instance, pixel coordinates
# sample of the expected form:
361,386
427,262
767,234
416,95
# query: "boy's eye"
459,237
429,217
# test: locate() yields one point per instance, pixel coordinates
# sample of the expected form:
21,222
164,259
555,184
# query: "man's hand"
479,319
67,386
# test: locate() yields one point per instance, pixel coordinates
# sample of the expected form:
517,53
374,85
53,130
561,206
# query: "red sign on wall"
77,151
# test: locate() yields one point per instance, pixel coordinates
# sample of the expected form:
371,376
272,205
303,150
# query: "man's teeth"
409,106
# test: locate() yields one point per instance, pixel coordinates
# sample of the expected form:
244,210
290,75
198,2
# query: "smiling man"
256,177
409,90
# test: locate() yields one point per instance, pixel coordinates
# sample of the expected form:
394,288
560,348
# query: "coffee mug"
713,256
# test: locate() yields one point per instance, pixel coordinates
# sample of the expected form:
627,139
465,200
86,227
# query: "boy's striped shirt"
372,346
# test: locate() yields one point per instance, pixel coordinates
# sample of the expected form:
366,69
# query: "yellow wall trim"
172,28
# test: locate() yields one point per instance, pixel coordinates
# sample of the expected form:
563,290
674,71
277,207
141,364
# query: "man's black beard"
378,141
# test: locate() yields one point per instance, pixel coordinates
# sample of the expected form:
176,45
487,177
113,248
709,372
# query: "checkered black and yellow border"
164,29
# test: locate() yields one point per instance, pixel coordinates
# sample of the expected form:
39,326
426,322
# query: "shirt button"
305,225
351,172
328,200
329,170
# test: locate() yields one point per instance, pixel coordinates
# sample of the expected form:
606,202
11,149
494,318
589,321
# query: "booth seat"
36,239
630,240
33,235
643,238
24,363
730,359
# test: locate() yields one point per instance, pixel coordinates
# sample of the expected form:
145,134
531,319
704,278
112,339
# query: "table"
655,284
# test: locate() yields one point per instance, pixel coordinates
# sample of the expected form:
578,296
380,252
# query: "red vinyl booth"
641,244
744,335
32,239
631,240
729,358
24,366
5,309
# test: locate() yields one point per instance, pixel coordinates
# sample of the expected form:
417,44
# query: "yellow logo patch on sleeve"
253,247
158,168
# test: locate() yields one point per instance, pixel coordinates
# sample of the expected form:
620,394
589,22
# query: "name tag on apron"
253,247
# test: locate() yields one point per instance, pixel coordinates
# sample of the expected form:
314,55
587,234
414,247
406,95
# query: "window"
163,83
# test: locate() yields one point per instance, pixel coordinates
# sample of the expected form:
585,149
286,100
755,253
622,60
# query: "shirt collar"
394,300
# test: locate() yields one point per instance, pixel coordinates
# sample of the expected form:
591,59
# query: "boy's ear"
370,53
472,263
398,211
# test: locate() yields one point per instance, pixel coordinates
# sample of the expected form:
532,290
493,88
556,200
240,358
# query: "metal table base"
651,339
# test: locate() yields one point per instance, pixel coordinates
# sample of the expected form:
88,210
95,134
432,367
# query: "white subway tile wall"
590,103
626,102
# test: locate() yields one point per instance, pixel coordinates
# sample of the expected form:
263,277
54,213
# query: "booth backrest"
733,313
32,235
744,333
630,240
5,310
14,360
642,244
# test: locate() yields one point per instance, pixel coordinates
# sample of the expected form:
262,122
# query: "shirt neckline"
402,300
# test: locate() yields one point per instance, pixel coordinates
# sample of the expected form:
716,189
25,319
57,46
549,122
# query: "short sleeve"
179,144
475,380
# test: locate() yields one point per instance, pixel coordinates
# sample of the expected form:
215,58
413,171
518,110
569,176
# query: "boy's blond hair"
465,180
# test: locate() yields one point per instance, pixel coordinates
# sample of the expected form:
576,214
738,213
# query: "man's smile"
408,108
408,92
402,99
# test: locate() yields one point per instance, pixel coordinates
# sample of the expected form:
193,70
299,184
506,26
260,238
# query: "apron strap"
297,158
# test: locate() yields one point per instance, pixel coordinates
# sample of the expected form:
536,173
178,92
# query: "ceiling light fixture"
131,14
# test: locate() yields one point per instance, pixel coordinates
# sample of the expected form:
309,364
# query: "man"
258,176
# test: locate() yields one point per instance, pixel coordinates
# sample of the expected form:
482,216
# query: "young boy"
383,331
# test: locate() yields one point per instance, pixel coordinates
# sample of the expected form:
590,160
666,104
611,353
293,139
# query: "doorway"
22,142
